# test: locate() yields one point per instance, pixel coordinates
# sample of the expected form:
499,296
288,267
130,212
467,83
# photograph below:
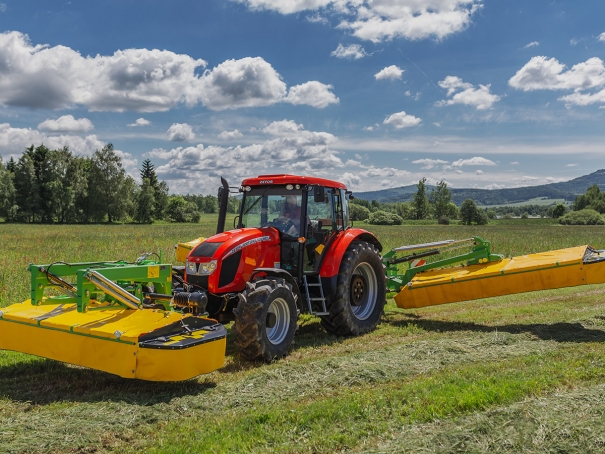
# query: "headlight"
191,268
207,268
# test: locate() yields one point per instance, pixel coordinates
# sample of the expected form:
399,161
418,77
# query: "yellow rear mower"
107,318
481,274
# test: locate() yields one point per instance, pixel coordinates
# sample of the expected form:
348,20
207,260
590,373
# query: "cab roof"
284,178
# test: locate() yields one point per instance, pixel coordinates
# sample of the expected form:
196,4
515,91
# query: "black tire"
360,295
265,320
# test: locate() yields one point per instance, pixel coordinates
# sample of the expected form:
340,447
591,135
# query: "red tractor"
292,250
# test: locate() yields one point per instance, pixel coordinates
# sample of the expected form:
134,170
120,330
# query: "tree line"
57,186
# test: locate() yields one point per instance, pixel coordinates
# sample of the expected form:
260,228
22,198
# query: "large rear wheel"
265,319
360,292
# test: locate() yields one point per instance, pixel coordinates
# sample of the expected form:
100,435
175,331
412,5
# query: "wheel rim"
363,291
278,321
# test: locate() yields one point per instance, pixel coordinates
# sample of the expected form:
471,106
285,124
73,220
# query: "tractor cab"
305,211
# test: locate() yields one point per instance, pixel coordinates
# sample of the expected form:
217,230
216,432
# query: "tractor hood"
225,261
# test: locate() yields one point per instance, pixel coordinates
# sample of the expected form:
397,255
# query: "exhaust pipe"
223,202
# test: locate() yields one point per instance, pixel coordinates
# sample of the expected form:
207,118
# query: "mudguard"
337,246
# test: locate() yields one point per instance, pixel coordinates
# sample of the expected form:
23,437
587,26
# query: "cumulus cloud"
543,73
248,82
313,93
317,19
14,140
380,20
480,98
66,123
390,72
532,44
40,76
180,132
139,122
402,120
2,7
287,147
479,172
476,161
354,52
429,163
230,135
601,37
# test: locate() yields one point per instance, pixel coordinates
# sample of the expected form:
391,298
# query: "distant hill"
567,190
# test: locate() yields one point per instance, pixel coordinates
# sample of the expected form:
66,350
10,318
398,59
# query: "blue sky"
377,94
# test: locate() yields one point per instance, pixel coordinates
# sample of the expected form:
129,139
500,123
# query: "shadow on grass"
44,381
308,334
559,332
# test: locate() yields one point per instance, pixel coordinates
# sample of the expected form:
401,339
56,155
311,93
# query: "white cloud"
429,163
390,72
230,135
66,123
402,120
601,37
532,44
543,73
139,122
313,94
180,132
248,82
571,165
40,76
353,51
480,97
14,140
479,172
316,18
476,161
2,7
380,20
584,99
437,124
514,163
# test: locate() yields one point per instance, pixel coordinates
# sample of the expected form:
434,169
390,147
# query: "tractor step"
310,300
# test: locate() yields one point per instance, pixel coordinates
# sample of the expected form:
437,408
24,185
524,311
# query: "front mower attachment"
101,322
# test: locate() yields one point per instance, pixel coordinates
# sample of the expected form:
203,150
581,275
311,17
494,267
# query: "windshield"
273,207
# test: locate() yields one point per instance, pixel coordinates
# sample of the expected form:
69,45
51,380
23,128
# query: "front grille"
199,281
229,269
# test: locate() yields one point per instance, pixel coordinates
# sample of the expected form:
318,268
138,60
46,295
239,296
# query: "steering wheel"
282,223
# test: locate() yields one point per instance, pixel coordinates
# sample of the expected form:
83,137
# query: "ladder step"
313,285
317,299
321,313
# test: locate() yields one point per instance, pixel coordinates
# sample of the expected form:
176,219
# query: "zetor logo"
266,181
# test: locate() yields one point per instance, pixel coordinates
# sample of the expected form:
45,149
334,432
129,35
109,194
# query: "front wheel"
265,320
360,292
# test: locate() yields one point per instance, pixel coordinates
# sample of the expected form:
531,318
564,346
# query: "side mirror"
220,193
319,195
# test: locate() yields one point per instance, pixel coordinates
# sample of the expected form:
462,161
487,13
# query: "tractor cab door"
325,216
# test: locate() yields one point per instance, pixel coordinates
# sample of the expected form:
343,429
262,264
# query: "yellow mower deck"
546,270
147,344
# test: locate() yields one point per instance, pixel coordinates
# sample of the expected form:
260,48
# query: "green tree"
421,201
160,188
468,212
558,211
440,199
8,207
358,212
145,203
180,210
110,190
26,189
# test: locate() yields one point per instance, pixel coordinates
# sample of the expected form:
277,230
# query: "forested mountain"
565,190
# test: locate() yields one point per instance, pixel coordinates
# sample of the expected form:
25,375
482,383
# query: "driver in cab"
290,214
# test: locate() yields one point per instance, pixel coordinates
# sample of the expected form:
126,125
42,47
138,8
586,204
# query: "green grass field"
521,373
